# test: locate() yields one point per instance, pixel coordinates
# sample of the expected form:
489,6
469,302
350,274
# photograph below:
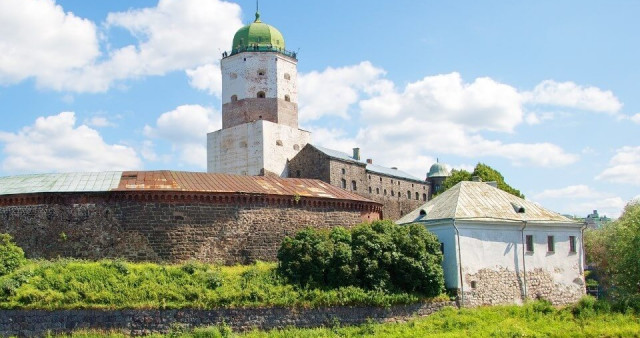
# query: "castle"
260,133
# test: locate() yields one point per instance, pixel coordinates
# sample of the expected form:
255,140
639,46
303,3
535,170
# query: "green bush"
11,255
378,256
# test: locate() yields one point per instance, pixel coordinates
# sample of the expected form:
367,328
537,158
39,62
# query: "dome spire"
257,12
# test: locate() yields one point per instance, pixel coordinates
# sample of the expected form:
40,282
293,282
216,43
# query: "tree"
484,172
11,255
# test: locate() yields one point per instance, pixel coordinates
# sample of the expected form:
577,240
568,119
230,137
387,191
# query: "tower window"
287,76
287,98
234,98
385,192
233,76
393,193
297,173
417,196
261,72
343,171
370,190
408,195
343,183
378,191
424,197
354,186
261,95
296,147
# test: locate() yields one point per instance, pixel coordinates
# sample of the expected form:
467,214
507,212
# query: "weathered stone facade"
254,109
142,322
168,226
503,286
398,195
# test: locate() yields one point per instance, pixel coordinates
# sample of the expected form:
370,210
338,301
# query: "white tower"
259,106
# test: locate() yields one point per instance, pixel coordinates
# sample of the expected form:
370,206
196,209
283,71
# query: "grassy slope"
68,284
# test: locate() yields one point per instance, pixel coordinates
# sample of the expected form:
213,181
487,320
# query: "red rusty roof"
166,180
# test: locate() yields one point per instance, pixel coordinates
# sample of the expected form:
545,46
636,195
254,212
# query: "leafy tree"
11,255
483,171
614,251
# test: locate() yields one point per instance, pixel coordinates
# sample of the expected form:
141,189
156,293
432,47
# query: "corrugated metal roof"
481,201
370,167
67,182
171,181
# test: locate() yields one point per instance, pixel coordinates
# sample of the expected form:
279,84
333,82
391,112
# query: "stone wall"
168,227
139,322
503,286
253,109
388,190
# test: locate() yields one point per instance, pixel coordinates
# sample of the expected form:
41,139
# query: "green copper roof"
258,34
438,170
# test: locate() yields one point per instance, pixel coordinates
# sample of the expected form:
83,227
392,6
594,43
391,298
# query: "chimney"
356,154
476,179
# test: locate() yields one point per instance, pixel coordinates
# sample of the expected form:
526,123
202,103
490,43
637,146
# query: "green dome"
258,34
438,170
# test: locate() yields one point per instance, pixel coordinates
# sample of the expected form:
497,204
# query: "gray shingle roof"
481,201
64,182
369,167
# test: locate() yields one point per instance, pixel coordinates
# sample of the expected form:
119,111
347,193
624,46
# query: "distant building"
436,176
501,249
595,221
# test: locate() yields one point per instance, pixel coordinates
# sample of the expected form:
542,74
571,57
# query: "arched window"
378,191
408,194
393,193
261,95
234,98
370,190
353,186
261,72
343,183
343,171
287,98
297,173
385,192
287,76
417,196
424,197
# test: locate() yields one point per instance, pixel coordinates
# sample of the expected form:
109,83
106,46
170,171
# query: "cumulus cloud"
99,122
185,128
55,143
61,50
334,90
38,39
635,118
624,167
207,78
569,94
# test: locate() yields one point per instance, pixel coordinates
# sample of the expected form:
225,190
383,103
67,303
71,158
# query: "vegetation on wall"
614,253
484,172
11,255
379,256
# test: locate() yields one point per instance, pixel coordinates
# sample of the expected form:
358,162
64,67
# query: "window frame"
529,245
572,244
551,244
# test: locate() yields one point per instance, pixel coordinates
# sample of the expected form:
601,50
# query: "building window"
417,196
380,179
261,72
343,183
234,98
424,197
296,147
442,248
408,195
572,244
233,76
287,98
385,192
370,190
474,284
297,173
353,186
344,171
551,244
393,193
529,243
369,176
391,181
261,95
287,76
378,191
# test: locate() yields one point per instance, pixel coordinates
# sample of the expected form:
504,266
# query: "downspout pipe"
583,258
459,263
524,263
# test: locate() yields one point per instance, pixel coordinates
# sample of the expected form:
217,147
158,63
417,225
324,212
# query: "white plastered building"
501,249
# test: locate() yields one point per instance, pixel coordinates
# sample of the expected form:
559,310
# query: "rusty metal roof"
481,201
172,181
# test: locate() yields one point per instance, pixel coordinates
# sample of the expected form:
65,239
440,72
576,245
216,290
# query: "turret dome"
438,170
259,36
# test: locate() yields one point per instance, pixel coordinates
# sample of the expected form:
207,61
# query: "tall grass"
73,284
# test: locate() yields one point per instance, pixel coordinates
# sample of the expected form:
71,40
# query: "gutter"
524,263
459,264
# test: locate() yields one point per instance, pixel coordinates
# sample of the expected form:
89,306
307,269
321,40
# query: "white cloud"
38,39
186,129
580,200
569,94
534,118
334,90
99,122
624,167
207,78
636,118
54,143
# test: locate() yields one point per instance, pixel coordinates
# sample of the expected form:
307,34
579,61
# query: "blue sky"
545,92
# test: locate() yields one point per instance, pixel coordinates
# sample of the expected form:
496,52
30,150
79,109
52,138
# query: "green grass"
531,320
74,284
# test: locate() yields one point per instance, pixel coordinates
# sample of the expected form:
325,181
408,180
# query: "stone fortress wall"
164,226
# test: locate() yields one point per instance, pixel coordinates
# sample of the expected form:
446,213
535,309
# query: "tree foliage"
11,255
378,256
483,171
614,251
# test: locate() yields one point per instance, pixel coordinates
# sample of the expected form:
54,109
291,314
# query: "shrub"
11,255
378,256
